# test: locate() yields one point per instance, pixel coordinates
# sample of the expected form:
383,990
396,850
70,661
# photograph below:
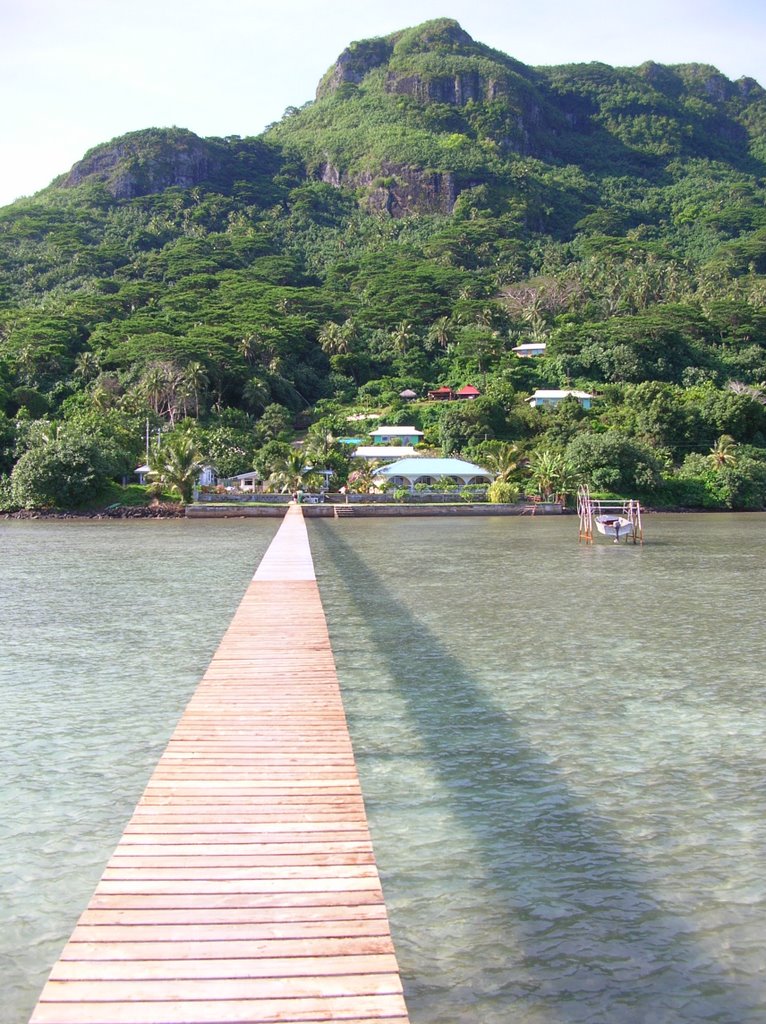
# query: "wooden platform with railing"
244,888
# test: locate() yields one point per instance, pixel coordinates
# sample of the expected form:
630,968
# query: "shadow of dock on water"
570,924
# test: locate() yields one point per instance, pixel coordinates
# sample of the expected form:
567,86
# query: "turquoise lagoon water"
561,747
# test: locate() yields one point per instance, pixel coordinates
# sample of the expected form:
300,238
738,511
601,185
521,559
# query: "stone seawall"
357,511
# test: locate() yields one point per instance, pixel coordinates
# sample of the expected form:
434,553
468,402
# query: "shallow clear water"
562,757
105,629
560,746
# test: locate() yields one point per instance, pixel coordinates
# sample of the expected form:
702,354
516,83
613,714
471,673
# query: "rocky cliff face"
398,190
410,119
149,161
354,64
434,64
453,89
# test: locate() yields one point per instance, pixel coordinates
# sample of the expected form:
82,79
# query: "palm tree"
318,443
401,336
724,452
551,474
193,383
289,473
161,385
256,394
249,348
503,462
176,464
441,332
337,339
362,480
86,365
332,340
153,385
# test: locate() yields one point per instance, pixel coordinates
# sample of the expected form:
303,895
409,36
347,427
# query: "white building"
408,472
245,481
541,398
402,435
529,349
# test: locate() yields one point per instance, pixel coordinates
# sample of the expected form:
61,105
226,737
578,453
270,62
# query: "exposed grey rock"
145,162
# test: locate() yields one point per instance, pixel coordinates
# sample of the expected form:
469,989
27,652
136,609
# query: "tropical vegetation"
438,204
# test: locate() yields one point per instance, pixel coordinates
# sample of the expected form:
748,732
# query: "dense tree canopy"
437,205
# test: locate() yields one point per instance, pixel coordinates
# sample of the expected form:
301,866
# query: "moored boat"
619,519
613,526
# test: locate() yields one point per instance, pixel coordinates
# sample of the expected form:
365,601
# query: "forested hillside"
437,204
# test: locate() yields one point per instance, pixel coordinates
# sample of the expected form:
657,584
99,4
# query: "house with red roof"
446,394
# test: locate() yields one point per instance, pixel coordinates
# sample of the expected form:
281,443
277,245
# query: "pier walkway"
244,888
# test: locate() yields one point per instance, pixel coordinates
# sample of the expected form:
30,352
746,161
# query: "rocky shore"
162,510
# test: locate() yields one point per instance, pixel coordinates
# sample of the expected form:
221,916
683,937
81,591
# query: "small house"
245,481
468,391
207,477
443,394
545,399
396,435
530,349
408,394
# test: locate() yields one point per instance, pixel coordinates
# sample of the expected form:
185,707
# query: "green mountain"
436,204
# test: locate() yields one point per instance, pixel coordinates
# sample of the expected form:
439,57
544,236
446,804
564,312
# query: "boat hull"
613,526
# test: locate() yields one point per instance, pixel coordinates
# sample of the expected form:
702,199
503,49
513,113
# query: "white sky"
74,73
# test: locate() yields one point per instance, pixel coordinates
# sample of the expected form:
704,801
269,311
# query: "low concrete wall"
236,499
357,511
464,509
235,511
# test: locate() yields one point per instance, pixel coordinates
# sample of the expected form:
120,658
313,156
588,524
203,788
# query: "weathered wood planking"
244,888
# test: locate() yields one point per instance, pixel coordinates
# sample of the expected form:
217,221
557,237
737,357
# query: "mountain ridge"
441,74
436,205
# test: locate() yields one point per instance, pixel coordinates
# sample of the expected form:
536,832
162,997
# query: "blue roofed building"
408,472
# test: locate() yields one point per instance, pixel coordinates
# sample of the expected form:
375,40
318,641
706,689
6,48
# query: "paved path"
244,888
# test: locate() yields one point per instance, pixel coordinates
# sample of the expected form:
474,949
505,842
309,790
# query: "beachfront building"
396,435
244,481
408,472
545,399
530,349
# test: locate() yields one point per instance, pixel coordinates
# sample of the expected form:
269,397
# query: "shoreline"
268,511
359,510
170,510
165,510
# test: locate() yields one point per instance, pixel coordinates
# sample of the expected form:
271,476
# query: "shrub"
613,462
62,472
7,503
501,493
686,492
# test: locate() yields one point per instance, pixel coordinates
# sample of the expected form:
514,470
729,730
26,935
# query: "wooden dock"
244,888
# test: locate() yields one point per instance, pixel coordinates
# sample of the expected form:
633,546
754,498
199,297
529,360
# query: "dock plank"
244,889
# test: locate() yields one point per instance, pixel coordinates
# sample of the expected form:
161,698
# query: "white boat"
613,526
620,519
